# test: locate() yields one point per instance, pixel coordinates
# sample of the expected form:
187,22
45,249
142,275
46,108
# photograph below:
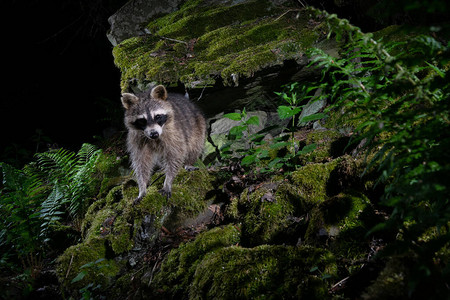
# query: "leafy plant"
400,91
240,134
20,223
69,175
35,198
88,291
295,94
286,151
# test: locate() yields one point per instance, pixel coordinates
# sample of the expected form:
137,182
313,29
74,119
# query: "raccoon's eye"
140,123
160,119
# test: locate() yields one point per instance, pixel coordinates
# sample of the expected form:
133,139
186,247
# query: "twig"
147,32
70,265
170,39
157,178
300,1
286,13
339,284
201,94
154,268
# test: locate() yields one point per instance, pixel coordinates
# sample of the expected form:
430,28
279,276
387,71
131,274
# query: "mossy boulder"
179,267
312,180
265,212
342,222
203,43
330,144
213,266
113,226
264,272
93,260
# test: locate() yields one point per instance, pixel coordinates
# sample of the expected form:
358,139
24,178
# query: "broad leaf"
285,112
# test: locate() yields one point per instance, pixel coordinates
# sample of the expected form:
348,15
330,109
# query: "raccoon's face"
151,123
147,114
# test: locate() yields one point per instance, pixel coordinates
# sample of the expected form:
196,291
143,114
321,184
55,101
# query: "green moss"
263,272
391,283
179,267
326,146
111,224
239,39
343,121
337,214
264,214
74,259
312,179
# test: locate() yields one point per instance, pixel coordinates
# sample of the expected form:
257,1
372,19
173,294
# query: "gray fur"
180,140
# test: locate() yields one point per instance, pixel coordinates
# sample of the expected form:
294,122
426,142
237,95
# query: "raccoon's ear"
159,92
129,100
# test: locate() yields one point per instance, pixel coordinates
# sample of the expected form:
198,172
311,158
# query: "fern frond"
86,151
50,209
80,182
56,165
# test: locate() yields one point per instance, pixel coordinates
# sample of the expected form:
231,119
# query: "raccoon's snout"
153,134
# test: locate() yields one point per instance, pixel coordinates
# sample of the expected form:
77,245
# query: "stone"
312,107
130,19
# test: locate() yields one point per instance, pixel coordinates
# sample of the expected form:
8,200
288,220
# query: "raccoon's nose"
154,134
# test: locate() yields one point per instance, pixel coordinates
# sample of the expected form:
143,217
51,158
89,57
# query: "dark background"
59,79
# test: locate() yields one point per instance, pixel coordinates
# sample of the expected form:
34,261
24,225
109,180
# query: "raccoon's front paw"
165,193
190,168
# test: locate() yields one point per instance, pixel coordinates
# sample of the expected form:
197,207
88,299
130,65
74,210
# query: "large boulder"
229,54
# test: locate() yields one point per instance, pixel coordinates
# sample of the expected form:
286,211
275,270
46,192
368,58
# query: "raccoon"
164,130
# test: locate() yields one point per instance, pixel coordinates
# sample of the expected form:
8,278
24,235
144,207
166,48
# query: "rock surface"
229,54
130,20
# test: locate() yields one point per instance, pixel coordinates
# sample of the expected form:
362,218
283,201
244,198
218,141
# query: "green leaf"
237,131
79,277
313,117
285,112
313,269
249,159
233,116
308,148
436,69
252,121
326,276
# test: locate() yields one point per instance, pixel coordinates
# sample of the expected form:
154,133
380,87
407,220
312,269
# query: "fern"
79,182
20,224
69,175
38,197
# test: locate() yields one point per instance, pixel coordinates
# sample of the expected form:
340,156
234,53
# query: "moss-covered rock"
391,282
200,43
265,212
113,226
342,223
312,180
178,269
90,259
264,272
329,144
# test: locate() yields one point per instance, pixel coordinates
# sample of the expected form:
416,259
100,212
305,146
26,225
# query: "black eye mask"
160,119
140,124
